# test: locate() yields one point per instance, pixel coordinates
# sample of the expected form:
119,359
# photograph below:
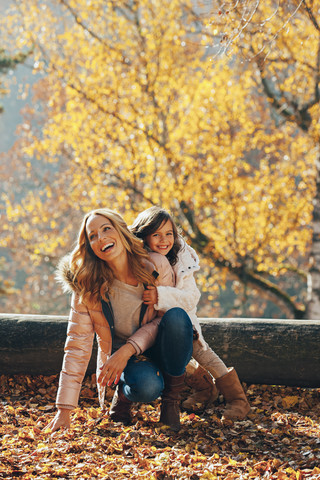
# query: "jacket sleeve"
186,297
145,336
77,353
164,269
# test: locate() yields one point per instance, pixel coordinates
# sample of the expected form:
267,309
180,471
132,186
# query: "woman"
107,273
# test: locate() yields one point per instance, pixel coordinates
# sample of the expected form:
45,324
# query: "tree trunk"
276,352
267,351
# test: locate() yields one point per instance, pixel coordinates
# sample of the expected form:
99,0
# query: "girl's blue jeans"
142,378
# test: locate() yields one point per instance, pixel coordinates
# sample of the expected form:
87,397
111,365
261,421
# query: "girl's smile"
162,240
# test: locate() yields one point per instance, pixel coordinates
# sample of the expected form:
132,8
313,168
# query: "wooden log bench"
263,351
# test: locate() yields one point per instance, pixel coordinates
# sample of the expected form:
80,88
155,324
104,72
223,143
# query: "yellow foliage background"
154,102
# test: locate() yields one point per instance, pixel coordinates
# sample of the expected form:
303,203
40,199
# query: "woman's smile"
104,238
108,246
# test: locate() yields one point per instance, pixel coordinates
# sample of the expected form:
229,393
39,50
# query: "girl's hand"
114,366
62,419
150,296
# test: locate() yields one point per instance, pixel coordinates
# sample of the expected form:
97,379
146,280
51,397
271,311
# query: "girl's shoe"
237,405
203,389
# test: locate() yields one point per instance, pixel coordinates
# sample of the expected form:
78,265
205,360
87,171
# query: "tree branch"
201,242
284,106
311,16
257,281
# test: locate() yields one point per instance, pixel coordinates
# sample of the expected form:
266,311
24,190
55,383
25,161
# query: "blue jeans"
142,379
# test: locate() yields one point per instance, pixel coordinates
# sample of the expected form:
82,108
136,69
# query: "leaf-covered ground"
280,439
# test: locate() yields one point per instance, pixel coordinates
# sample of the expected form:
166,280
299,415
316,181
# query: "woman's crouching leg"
174,349
142,381
175,341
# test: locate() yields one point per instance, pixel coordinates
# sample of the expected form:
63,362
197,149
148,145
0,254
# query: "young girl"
159,233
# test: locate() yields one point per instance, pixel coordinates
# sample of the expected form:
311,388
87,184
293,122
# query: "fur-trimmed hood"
65,277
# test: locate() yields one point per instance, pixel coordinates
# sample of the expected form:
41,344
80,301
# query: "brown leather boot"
120,409
170,404
203,389
237,405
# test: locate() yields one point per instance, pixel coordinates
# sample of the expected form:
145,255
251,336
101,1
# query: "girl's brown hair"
90,276
149,221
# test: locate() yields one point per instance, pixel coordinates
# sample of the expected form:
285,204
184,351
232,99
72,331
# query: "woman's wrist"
129,349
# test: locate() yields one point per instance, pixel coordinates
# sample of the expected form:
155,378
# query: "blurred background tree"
6,286
174,103
8,62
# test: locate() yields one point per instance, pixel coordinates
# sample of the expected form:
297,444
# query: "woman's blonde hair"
90,276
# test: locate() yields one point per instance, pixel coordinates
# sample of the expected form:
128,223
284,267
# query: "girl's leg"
204,390
226,380
209,359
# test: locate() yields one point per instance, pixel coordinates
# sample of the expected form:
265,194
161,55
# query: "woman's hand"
150,295
62,419
114,366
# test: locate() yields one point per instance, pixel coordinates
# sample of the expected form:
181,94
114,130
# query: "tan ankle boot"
203,389
170,403
120,410
237,405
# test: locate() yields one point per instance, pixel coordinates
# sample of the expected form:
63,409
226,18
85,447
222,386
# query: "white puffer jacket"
185,294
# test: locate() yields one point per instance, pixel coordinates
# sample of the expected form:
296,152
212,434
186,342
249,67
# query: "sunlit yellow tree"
281,39
136,110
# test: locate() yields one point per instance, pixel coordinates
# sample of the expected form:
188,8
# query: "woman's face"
162,240
104,239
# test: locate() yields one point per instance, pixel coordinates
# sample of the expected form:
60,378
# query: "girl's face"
162,240
104,239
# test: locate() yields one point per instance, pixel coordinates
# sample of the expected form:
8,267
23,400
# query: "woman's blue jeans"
142,378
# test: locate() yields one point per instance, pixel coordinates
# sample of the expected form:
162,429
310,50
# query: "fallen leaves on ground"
279,439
